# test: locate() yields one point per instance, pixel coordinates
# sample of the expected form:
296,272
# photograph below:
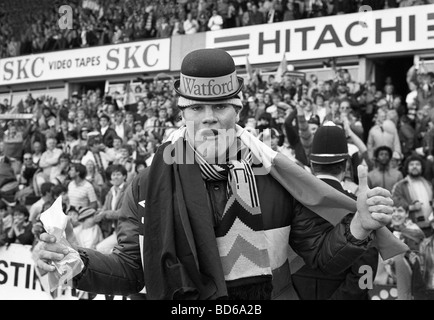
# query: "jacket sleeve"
398,194
121,272
330,249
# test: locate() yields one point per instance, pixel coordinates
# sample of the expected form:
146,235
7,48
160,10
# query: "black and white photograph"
224,152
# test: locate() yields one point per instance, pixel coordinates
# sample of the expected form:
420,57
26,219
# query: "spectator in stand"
117,35
37,151
382,175
292,11
102,155
13,146
122,129
215,22
107,132
191,25
163,28
96,179
49,159
407,136
46,196
59,174
415,192
21,229
110,212
80,191
383,132
88,232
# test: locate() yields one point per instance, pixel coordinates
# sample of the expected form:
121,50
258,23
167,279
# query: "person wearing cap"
328,162
210,218
88,233
416,192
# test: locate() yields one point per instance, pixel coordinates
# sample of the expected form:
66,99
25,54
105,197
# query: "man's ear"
237,111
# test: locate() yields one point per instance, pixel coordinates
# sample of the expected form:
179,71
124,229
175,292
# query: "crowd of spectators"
28,27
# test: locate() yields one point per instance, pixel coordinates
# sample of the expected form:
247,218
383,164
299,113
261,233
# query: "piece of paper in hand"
55,221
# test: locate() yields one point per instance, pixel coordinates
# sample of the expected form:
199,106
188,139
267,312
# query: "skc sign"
382,31
127,58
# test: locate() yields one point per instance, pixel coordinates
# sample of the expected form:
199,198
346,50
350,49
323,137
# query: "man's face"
398,216
211,128
64,163
415,168
118,118
344,107
51,144
117,178
313,128
140,106
19,217
383,157
103,122
320,101
117,144
27,159
37,147
72,173
389,89
274,143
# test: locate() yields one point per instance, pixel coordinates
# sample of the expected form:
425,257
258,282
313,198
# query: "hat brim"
332,159
232,95
85,216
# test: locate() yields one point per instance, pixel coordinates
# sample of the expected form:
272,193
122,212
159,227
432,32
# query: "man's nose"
209,116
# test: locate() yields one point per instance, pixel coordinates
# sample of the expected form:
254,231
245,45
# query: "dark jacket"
314,284
332,249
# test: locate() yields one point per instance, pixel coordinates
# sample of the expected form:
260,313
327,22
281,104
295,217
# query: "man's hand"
374,207
48,250
100,216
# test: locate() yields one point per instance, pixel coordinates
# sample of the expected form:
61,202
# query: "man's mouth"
209,133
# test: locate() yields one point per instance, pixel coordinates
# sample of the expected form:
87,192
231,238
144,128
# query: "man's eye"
220,107
196,108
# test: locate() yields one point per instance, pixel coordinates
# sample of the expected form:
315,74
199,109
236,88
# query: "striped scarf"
241,240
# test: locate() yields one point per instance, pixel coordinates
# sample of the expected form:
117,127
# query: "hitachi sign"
209,87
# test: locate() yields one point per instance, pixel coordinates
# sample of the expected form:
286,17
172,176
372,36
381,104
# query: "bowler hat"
85,212
329,145
208,75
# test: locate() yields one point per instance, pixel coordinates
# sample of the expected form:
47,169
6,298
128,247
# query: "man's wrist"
357,230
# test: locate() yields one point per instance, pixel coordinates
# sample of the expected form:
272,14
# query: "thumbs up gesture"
374,207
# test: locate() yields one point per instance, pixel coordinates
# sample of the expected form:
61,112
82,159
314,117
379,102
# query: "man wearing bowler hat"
211,217
328,162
